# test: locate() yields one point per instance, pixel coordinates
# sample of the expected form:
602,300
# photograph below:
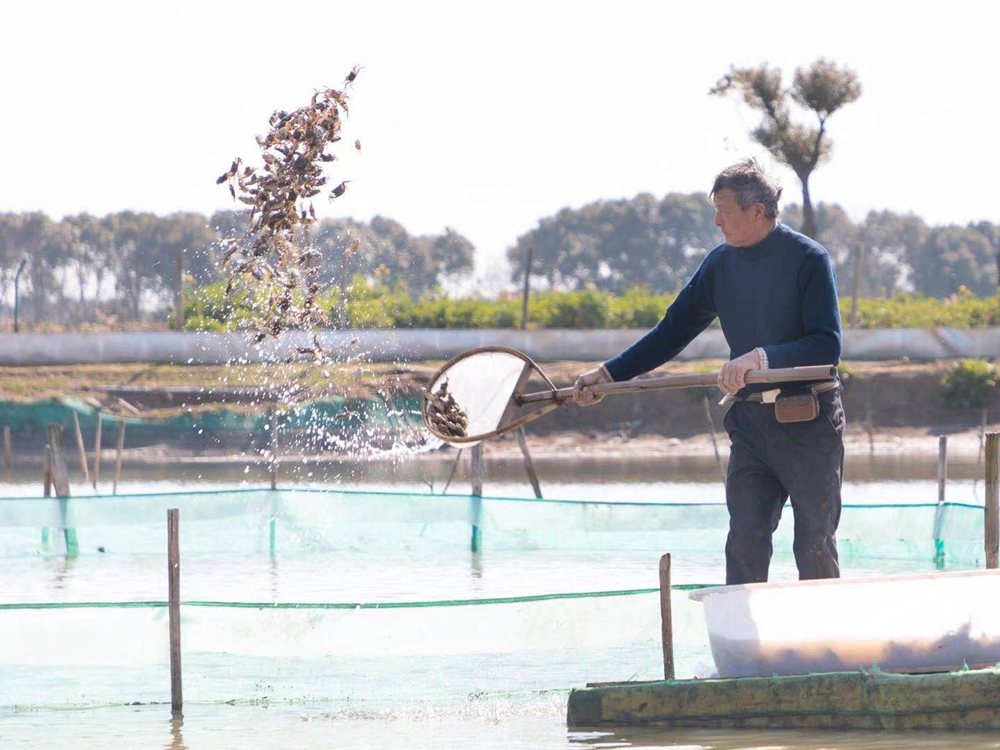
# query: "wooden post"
46,487
454,468
982,435
272,446
528,253
273,449
942,473
477,469
992,521
179,292
81,447
118,455
942,469
859,250
59,473
529,465
174,594
870,429
8,466
666,621
477,497
715,442
97,449
47,472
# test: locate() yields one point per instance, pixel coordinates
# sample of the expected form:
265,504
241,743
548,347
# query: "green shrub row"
968,384
384,307
962,310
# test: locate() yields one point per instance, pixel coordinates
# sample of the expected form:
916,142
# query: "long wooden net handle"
779,375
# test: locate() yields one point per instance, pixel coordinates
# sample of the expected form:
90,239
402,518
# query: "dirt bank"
900,400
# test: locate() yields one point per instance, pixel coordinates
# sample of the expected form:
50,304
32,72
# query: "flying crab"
280,270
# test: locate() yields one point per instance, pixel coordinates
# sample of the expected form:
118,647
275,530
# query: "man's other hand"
582,394
733,375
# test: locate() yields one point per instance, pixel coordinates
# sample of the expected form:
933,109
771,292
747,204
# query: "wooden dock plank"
840,700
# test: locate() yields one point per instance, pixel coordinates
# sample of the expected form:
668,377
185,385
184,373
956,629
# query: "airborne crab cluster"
281,268
444,414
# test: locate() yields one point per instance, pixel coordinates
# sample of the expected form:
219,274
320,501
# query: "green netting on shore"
298,521
361,412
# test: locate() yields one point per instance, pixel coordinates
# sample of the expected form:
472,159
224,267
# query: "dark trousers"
771,461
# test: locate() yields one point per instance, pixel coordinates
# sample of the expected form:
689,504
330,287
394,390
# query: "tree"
892,243
9,252
419,263
36,240
611,245
953,257
822,88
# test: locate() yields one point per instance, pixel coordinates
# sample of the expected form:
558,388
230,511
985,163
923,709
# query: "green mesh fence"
367,597
117,653
299,521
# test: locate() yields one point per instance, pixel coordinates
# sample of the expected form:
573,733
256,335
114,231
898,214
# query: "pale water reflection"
539,724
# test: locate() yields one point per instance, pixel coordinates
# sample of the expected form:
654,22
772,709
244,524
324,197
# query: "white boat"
904,623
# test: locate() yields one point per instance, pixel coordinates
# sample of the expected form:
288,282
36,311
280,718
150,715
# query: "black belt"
816,389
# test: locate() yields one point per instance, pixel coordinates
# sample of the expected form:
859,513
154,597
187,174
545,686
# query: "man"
775,294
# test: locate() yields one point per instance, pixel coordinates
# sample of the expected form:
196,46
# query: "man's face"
739,225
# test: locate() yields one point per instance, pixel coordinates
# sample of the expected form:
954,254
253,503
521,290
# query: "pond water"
483,676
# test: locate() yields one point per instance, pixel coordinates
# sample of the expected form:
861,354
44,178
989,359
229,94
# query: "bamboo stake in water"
81,447
477,499
7,464
715,442
982,435
992,520
870,429
942,467
47,472
666,619
97,450
174,595
529,465
118,455
477,470
58,469
454,468
272,530
59,473
273,448
46,487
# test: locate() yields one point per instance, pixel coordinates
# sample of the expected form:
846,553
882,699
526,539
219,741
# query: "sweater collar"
765,246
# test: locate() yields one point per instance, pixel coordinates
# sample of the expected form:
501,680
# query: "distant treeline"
123,267
612,245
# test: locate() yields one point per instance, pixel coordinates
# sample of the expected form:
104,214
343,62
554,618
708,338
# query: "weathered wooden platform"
962,700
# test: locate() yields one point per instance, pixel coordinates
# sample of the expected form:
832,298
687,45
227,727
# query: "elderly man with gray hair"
775,294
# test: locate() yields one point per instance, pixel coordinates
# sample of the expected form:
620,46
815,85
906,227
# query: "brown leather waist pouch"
797,407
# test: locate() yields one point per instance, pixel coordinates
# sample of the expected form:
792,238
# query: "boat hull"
909,623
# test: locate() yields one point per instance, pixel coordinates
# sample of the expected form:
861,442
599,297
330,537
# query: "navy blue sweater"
780,294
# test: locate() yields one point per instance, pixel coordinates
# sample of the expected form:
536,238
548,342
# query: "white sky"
483,117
